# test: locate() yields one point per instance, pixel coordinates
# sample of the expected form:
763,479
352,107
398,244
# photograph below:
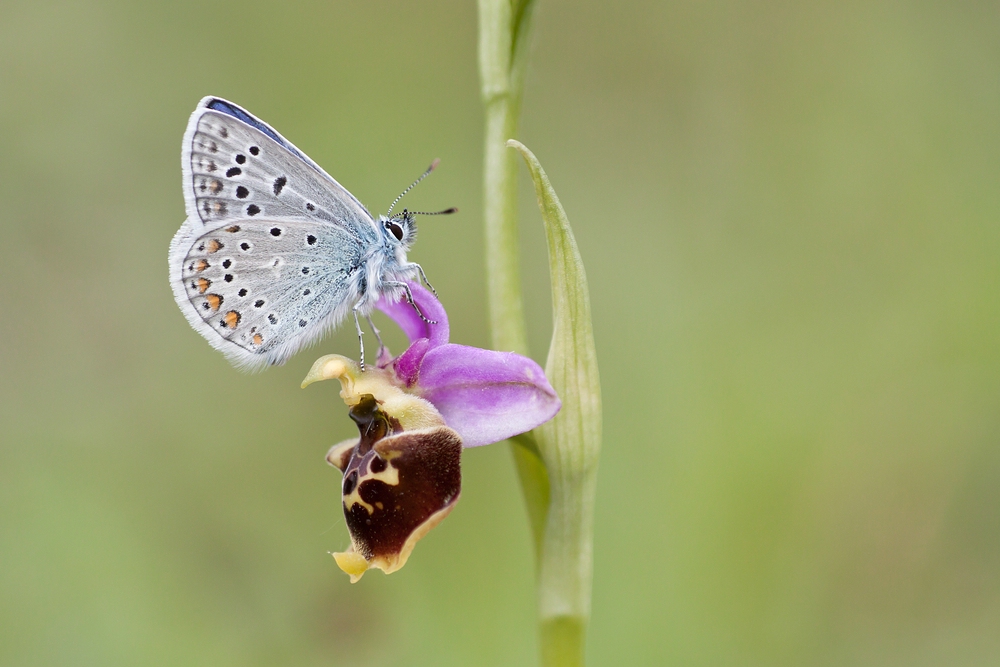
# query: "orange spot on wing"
203,284
200,265
232,318
214,245
214,301
257,339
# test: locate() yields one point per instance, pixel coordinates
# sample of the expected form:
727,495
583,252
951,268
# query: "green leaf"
572,362
570,443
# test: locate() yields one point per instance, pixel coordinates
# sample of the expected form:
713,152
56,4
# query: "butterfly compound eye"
396,230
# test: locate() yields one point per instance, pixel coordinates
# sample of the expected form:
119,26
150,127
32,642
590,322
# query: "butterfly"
275,253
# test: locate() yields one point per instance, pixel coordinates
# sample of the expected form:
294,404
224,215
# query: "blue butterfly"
274,252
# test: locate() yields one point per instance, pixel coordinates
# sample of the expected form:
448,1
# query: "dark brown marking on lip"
395,481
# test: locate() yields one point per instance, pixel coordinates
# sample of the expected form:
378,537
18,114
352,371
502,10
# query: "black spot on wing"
232,110
279,183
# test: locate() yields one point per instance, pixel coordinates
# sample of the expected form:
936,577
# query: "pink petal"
407,365
486,396
405,315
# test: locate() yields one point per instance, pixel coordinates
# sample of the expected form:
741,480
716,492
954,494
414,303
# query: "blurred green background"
789,216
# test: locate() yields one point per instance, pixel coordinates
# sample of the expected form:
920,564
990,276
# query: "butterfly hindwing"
259,292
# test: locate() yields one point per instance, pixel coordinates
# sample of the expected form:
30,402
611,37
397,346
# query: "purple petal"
407,365
486,396
411,323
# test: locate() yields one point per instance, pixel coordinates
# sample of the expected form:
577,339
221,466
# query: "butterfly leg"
357,326
378,336
409,298
413,266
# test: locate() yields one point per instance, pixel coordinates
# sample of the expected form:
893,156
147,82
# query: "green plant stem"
504,31
562,641
564,573
503,281
503,36
534,487
556,466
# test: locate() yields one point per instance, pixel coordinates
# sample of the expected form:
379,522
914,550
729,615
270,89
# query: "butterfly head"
400,229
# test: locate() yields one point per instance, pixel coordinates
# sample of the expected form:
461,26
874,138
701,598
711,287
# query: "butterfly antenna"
447,211
412,185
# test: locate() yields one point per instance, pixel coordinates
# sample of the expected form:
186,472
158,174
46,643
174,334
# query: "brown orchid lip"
397,485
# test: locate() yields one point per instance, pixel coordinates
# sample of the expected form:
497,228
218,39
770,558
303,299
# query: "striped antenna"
447,211
412,185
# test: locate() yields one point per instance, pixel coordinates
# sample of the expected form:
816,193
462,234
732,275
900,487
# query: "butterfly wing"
260,292
236,166
269,258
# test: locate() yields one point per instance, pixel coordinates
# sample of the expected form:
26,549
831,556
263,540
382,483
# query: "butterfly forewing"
236,170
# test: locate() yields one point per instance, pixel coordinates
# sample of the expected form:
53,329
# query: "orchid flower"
414,413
